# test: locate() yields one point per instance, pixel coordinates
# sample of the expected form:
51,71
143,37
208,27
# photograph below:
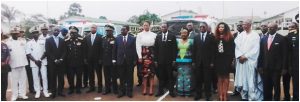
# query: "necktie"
270,41
202,37
164,37
124,40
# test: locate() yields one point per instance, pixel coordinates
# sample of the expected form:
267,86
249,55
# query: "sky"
123,10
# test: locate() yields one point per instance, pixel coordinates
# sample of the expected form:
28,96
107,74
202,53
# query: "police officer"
74,57
110,71
293,61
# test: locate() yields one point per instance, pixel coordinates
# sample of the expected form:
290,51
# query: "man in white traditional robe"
247,80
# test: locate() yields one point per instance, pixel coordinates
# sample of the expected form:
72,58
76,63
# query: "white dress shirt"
144,39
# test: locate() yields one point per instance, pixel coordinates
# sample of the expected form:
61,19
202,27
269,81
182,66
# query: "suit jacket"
275,58
125,52
93,52
52,52
204,52
165,51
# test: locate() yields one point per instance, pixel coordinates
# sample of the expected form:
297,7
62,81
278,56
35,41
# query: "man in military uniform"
17,62
293,61
110,71
74,59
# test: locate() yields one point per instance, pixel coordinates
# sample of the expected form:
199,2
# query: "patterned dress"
184,65
148,64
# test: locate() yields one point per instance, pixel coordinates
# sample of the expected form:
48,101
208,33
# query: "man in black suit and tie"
165,51
125,58
93,58
203,56
55,52
272,62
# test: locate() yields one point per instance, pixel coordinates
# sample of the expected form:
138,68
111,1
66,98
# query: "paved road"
137,96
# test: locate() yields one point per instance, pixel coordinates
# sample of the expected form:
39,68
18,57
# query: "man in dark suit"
110,71
55,52
93,58
203,56
165,51
125,58
272,62
192,32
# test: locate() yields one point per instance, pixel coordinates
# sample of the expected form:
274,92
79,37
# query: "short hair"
147,21
126,26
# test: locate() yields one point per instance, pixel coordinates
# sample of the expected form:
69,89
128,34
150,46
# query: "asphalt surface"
137,96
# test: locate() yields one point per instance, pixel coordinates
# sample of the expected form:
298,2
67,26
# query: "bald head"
272,28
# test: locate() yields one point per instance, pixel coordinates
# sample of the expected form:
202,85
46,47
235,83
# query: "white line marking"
162,97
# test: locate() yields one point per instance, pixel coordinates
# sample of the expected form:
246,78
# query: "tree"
153,18
74,10
9,13
133,19
103,17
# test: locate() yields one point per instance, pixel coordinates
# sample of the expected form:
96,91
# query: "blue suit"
125,56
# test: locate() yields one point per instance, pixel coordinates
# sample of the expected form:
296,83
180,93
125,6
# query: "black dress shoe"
197,98
235,93
61,94
120,95
70,92
172,94
286,99
207,99
106,92
53,96
159,93
78,91
91,90
244,99
129,95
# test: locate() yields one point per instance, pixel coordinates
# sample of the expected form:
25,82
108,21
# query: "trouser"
71,73
126,78
295,78
56,78
36,78
139,73
92,68
203,77
4,81
110,76
166,78
85,75
18,81
286,78
29,77
214,79
271,80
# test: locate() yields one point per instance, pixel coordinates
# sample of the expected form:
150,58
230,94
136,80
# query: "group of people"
195,63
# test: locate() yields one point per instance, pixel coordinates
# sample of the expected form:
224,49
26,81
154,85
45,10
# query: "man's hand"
242,59
140,60
211,65
85,61
155,64
38,63
174,63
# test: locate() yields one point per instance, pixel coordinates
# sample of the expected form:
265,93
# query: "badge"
112,42
276,43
